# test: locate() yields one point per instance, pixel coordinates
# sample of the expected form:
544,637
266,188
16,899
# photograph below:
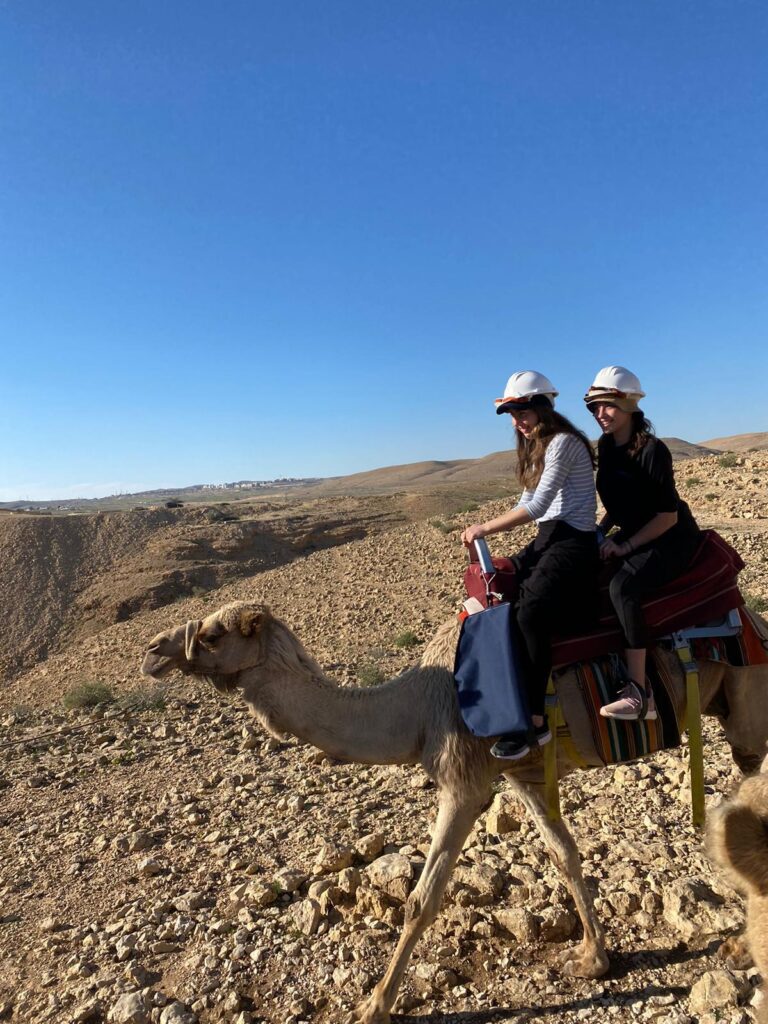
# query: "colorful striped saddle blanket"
615,740
599,679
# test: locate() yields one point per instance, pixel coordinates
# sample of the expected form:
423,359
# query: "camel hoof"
584,963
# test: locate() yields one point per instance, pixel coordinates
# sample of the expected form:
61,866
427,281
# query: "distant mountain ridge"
413,475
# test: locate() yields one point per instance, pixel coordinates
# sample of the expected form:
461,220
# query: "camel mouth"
156,666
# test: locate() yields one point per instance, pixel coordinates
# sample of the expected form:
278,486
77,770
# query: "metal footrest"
728,625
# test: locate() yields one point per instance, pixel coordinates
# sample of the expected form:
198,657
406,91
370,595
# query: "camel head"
227,642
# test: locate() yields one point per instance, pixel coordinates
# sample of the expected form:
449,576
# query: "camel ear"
252,620
190,638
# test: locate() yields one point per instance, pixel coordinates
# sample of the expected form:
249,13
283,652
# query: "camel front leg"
589,959
454,821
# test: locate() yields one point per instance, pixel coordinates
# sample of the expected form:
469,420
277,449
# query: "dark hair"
642,432
531,451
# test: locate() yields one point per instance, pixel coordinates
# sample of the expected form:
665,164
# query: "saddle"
707,590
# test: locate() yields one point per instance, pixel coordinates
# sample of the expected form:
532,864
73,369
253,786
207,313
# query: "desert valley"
164,861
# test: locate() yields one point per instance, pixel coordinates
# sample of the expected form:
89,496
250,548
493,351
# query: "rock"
137,974
177,1013
332,857
129,1009
306,916
392,874
290,881
190,902
140,840
162,947
624,903
149,867
317,889
714,990
484,880
349,881
124,948
260,894
519,923
556,924
692,908
370,846
371,902
87,1013
501,820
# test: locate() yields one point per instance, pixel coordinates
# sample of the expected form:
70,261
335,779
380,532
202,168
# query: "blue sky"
247,240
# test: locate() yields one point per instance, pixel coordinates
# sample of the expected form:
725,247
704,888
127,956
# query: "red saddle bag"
490,588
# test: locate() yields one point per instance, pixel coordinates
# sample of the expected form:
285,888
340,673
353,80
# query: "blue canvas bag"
489,681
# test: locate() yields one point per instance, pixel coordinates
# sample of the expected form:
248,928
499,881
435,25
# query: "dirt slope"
65,577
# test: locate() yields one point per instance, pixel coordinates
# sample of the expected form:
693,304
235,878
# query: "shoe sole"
545,738
512,757
649,717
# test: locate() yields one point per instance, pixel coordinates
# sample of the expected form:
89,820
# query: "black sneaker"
511,748
514,746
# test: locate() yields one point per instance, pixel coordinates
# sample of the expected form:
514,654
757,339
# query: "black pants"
558,574
649,567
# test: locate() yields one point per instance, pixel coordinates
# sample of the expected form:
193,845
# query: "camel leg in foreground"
589,959
455,817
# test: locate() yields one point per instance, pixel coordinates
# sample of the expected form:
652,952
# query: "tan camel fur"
412,719
737,839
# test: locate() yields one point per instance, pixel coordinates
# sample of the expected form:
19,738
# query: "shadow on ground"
622,965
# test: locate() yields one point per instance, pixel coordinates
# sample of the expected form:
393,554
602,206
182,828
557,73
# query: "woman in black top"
657,534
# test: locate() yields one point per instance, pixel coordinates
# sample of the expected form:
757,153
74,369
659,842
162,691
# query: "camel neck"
370,726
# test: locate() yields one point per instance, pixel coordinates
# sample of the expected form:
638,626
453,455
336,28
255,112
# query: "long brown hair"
642,432
531,450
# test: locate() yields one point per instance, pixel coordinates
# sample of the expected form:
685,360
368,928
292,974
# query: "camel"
415,719
737,840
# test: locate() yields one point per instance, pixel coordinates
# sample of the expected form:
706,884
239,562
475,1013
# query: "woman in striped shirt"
558,569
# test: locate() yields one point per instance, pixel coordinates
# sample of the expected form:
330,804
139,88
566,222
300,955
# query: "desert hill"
494,469
740,442
165,859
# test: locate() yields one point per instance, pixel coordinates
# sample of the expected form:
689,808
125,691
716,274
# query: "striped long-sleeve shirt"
566,489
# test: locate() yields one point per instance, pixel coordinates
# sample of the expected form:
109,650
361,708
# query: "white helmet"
617,380
526,389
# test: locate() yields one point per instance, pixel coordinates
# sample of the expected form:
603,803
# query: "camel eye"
208,640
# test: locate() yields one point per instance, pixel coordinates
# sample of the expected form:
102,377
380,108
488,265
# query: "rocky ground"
164,862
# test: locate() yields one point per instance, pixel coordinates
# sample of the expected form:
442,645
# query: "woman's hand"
610,549
472,533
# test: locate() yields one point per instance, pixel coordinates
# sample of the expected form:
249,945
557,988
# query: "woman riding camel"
558,569
657,534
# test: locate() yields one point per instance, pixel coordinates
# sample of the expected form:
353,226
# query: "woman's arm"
654,528
508,521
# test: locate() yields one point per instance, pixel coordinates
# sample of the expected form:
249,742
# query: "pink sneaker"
630,704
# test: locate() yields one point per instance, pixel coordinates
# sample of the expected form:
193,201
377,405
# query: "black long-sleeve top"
635,488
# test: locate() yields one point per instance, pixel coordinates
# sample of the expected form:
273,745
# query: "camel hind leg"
589,959
455,819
